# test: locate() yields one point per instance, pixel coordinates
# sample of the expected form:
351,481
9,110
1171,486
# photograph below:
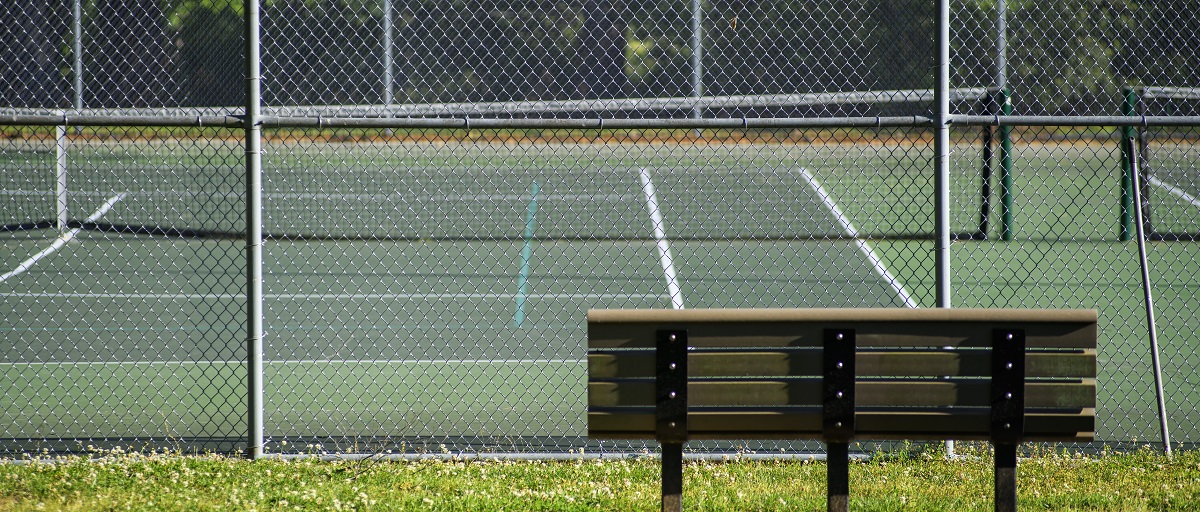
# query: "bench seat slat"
806,391
873,327
807,361
1067,425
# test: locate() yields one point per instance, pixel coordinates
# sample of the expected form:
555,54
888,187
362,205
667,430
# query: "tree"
127,53
211,52
31,37
601,51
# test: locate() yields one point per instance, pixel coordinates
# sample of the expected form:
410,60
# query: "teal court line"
526,255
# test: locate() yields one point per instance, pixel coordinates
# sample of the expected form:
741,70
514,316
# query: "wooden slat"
807,361
807,392
805,423
897,327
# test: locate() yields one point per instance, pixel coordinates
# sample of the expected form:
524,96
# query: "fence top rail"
1001,120
630,104
464,109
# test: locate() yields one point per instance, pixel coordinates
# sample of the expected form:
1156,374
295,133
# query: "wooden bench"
837,375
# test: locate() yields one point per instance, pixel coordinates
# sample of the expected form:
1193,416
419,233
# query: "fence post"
697,59
387,53
253,128
77,51
942,157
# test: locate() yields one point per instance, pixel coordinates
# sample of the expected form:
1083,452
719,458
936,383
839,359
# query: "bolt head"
840,336
840,394
673,366
672,394
671,337
840,365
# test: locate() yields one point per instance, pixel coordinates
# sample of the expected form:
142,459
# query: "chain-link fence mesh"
448,186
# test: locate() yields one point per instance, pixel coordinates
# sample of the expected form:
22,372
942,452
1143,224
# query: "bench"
837,375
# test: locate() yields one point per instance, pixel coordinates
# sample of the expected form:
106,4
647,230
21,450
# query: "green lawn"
889,482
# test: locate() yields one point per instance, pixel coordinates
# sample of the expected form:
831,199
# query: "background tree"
32,38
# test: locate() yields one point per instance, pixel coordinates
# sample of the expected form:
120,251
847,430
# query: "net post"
988,107
60,178
1129,100
1006,180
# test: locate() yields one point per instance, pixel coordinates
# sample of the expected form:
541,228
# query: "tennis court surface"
433,293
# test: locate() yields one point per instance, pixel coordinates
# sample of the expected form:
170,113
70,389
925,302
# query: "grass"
920,480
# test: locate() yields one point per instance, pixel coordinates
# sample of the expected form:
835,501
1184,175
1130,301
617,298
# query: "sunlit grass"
921,480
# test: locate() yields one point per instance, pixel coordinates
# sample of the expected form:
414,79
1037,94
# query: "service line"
664,248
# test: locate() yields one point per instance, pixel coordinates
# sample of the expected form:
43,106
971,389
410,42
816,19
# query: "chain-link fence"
442,189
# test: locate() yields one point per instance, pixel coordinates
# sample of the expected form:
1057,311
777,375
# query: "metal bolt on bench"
837,375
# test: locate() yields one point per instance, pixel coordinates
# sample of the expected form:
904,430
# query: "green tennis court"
438,291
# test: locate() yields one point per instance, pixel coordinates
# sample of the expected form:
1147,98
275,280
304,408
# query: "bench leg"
838,476
1006,477
672,477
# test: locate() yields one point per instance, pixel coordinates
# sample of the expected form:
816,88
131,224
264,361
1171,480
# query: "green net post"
1006,181
1128,107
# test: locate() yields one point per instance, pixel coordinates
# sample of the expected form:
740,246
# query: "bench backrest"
780,373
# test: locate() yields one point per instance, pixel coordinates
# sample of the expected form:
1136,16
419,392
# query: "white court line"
849,230
1170,188
664,249
66,237
303,361
331,296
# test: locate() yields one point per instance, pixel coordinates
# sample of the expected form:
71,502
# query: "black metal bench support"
671,413
838,414
837,477
1008,412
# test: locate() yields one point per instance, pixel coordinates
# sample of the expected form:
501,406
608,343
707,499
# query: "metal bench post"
671,413
1006,477
838,417
1008,412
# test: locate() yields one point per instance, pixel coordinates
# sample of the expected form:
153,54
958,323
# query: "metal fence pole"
77,50
387,53
254,239
1001,45
697,58
941,149
1149,298
942,157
